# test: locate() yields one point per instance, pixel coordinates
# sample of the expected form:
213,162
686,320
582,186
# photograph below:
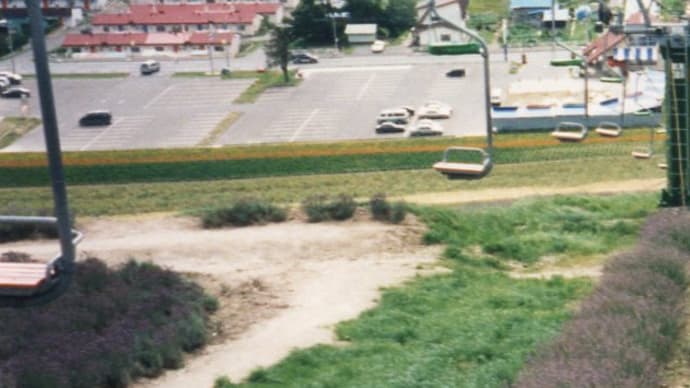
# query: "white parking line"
365,86
304,125
158,97
100,135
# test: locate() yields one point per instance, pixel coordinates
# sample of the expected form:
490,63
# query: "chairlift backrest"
570,131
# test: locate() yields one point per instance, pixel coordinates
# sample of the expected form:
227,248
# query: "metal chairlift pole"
50,130
584,67
487,85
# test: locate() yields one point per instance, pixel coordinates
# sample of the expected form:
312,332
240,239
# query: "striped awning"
638,55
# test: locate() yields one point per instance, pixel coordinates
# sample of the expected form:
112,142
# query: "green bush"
319,208
243,213
382,210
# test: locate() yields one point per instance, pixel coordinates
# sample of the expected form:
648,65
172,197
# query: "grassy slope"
151,197
475,326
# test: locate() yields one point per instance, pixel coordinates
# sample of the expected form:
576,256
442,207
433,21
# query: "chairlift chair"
567,131
609,129
464,170
25,284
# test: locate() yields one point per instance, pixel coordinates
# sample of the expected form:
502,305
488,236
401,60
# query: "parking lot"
332,103
148,112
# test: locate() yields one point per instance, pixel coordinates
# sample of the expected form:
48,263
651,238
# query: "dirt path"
280,286
487,195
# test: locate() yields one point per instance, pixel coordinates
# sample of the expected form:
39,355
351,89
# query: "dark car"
304,58
96,118
16,93
456,73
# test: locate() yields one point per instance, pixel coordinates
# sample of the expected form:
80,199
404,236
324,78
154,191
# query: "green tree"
310,22
399,16
278,49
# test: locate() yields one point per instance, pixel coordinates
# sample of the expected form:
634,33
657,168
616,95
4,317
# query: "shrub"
111,326
382,210
624,332
243,213
319,208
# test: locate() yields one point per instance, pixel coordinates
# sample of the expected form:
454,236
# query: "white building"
444,28
360,33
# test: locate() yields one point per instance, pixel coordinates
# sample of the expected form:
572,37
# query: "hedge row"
624,332
273,167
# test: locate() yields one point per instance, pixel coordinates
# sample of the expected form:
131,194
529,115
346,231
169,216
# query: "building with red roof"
172,29
243,18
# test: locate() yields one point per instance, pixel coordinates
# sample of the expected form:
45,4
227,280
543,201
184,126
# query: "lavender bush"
624,331
109,328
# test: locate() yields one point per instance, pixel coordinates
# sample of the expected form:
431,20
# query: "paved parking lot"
332,103
343,104
148,112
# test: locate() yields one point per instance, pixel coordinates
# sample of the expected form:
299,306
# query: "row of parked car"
9,85
398,119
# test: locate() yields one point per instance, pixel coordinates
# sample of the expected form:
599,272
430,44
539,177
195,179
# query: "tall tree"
278,48
310,22
399,16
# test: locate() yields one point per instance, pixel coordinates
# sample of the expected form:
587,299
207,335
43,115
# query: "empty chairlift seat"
570,131
609,129
475,163
642,153
27,279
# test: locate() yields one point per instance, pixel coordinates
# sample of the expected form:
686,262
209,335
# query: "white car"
390,127
426,127
15,79
399,115
434,110
378,46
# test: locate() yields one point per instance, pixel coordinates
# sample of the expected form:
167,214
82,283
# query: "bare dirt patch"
280,286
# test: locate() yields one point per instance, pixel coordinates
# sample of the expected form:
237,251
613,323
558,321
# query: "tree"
310,22
399,16
278,48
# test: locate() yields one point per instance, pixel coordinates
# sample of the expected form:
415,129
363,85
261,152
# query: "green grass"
83,75
101,171
531,229
467,329
12,128
474,327
131,198
270,79
499,7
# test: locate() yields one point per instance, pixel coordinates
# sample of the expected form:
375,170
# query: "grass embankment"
21,170
12,128
235,74
476,326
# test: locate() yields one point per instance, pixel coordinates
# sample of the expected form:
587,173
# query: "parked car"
400,115
15,92
426,127
149,67
304,58
456,73
96,118
378,46
4,83
434,110
14,78
390,127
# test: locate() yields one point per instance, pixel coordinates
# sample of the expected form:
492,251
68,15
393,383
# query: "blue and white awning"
638,55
